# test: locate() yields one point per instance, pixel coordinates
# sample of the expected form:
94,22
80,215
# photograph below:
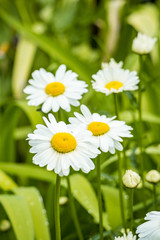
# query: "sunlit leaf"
34,116
6,183
19,214
112,203
34,200
24,56
145,19
84,193
146,116
26,170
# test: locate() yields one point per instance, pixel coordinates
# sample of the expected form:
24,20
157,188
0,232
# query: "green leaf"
149,150
20,216
6,183
34,200
145,19
24,56
34,116
84,193
51,46
26,170
9,122
112,203
146,116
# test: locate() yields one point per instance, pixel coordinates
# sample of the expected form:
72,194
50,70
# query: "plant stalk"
120,169
155,196
57,213
99,198
141,134
131,207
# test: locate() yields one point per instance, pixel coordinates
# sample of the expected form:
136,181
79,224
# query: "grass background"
80,34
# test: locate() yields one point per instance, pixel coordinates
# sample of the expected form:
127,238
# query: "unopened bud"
131,179
5,225
63,200
153,176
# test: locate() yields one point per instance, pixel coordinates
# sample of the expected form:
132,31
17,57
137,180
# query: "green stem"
73,210
141,134
57,214
125,161
116,105
155,196
120,169
131,208
121,188
99,198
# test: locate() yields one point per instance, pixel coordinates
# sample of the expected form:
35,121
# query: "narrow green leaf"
34,116
38,212
84,193
20,216
149,150
51,46
145,19
9,122
146,116
6,183
112,203
24,56
26,170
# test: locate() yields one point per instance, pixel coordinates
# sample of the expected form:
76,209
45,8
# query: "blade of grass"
19,214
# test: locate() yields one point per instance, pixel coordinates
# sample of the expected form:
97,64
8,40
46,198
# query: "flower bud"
153,176
143,44
131,179
5,225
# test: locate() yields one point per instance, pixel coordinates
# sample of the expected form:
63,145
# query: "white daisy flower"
114,80
54,92
143,44
58,147
129,236
106,131
112,64
150,230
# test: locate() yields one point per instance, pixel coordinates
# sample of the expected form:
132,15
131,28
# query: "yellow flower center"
55,88
63,142
114,84
98,128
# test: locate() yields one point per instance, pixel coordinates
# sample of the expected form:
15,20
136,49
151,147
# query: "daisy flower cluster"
60,146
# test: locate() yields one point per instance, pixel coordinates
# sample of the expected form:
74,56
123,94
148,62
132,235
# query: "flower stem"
99,198
155,196
141,134
116,105
73,210
57,214
131,207
121,188
120,169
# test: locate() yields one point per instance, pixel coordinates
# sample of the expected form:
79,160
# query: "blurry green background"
80,34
